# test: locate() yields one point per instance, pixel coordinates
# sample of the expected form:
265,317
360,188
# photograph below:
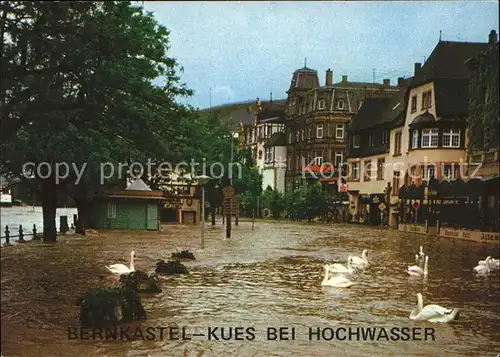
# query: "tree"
76,88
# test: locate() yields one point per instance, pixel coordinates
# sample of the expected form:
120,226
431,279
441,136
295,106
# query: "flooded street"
270,277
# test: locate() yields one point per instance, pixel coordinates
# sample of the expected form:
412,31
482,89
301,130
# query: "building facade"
317,120
369,157
264,136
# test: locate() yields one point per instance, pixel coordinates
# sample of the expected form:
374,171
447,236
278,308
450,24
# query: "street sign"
229,206
381,206
228,192
416,205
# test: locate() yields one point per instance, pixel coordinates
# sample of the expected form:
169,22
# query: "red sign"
416,205
318,168
343,187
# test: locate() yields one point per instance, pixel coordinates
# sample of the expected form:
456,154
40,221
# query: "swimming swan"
421,253
490,262
432,313
482,268
122,268
416,270
340,268
338,281
360,261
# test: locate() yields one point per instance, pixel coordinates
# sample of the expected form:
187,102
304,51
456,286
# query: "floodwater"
27,216
269,277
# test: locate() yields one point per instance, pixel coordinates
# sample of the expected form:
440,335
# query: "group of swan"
122,269
340,281
485,266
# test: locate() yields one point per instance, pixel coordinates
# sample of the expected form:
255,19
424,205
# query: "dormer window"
355,141
340,105
321,104
385,137
370,140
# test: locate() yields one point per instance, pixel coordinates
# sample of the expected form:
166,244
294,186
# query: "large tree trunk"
49,207
82,205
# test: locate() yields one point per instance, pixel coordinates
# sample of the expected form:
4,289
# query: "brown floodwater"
269,277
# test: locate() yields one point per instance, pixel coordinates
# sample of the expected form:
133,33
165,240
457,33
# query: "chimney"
492,38
387,82
329,78
344,79
418,66
401,82
271,100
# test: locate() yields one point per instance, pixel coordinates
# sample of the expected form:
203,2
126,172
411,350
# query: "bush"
108,306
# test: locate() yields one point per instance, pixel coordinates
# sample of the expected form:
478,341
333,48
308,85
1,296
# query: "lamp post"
202,181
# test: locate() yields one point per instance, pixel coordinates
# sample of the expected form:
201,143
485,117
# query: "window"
339,158
290,137
111,210
339,131
414,139
380,169
355,170
397,143
321,104
297,136
309,136
451,138
340,105
303,134
385,137
370,140
413,174
395,183
355,141
430,138
367,170
450,172
414,104
427,99
318,158
429,172
319,131
268,155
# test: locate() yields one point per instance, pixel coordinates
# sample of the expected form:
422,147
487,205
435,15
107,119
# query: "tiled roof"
447,61
379,111
370,113
452,97
277,139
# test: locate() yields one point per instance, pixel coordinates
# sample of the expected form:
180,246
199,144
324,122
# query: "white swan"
432,313
340,268
338,281
482,268
490,262
417,259
122,268
360,260
416,270
421,253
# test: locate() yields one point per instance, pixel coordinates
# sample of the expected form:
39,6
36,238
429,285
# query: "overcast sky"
245,50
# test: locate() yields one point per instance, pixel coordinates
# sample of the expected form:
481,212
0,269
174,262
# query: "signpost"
229,207
381,207
416,205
